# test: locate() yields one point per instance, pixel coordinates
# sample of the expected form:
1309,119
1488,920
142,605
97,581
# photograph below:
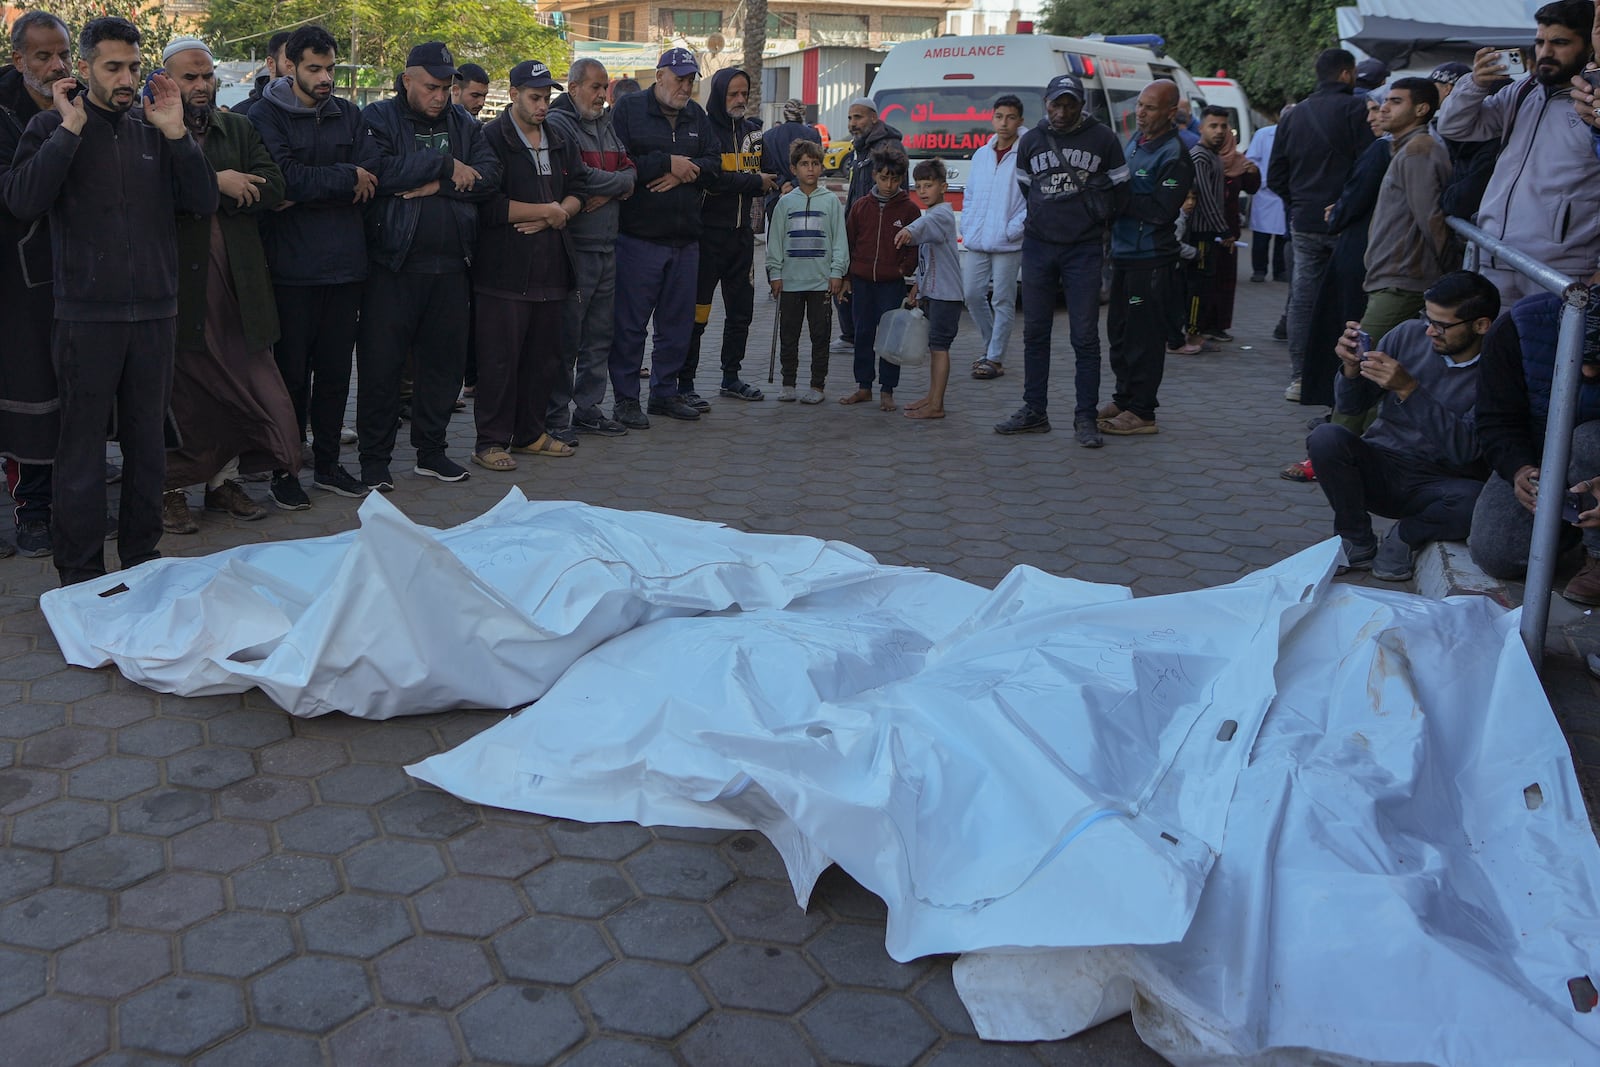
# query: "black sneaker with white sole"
337,480
378,479
598,424
441,467
286,492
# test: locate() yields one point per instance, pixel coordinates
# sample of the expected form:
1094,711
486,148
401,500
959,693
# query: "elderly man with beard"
580,116
674,147
317,250
30,421
229,404
1544,193
523,273
112,179
434,167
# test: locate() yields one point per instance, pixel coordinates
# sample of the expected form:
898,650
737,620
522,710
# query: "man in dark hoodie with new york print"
727,235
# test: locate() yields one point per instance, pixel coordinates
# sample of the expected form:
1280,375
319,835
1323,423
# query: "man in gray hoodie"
581,115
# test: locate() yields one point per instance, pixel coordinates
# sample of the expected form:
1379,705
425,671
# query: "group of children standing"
814,252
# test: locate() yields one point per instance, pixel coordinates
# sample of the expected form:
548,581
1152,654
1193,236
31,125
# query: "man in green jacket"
229,405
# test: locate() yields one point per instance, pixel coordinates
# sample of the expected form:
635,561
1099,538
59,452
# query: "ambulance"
940,92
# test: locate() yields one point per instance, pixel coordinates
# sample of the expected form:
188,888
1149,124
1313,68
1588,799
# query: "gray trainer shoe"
1394,561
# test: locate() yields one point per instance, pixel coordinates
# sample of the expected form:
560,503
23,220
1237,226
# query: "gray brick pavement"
210,881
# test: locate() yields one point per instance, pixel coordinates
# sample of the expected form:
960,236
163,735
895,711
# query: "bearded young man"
112,178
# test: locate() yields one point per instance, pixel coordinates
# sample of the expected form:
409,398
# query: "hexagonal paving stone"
873,1029
427,814
69,746
65,686
23,789
60,825
390,1036
249,728
766,911
387,866
164,813
55,1032
526,1025
471,907
54,918
21,978
668,930
170,902
648,999
672,869
262,1048
544,949
302,757
597,841
113,778
210,767
112,862
115,710
362,783
26,720
982,1054
284,883
764,978
112,964
753,856
393,745
614,1052
846,898
237,945
726,1038
158,737
180,1016
356,924
331,830
220,846
311,994
432,972
577,887
500,851
853,954
22,871
938,994
265,798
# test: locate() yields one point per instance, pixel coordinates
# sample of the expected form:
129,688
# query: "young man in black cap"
470,88
523,273
434,167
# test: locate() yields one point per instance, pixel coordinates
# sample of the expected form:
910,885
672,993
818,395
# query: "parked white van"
1225,92
940,92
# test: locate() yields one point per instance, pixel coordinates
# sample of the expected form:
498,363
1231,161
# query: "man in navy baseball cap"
531,72
680,61
435,58
1062,84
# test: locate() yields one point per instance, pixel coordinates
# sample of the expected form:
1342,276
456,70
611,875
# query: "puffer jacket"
993,209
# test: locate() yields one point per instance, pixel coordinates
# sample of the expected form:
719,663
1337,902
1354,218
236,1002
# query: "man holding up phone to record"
1544,194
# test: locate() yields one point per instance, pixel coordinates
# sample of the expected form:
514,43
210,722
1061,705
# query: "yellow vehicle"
833,158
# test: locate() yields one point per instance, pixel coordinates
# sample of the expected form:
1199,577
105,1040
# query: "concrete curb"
1444,568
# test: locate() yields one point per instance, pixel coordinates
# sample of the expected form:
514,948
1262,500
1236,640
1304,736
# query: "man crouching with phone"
1419,462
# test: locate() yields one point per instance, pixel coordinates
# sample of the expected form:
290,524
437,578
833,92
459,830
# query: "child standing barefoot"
938,281
878,269
806,260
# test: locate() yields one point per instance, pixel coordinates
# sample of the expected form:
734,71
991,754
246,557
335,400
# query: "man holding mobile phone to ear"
1543,196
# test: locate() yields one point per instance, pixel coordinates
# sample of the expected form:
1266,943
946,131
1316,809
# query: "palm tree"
755,44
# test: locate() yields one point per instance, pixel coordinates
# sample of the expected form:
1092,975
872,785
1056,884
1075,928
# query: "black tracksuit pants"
1136,327
726,257
314,354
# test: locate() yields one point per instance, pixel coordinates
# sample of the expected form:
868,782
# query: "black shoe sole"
33,553
599,431
427,473
679,415
1042,427
340,491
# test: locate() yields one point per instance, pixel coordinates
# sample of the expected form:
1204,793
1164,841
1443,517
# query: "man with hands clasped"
1420,461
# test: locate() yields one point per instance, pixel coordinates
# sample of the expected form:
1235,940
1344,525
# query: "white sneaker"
1293,392
841,345
811,396
786,394
347,436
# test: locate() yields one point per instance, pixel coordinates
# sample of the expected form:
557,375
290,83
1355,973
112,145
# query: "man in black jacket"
1317,145
671,141
30,414
775,145
523,274
727,236
433,168
276,67
112,180
316,247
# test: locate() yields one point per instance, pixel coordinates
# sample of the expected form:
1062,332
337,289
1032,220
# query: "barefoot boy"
806,260
938,281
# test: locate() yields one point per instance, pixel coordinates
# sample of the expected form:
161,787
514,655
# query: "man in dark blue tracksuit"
1072,173
1144,249
673,145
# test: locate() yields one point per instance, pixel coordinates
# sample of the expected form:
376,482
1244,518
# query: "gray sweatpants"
1502,529
585,341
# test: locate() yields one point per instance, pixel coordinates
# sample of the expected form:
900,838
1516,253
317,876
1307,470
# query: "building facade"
790,27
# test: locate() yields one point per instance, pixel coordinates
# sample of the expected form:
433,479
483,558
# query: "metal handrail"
1542,549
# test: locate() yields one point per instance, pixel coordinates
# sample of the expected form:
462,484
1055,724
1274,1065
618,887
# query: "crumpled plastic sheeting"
399,619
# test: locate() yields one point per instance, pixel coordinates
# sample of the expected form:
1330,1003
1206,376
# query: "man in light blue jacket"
993,211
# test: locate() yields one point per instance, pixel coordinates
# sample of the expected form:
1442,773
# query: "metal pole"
1506,257
1553,481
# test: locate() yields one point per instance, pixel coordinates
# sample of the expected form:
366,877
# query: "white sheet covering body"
1284,822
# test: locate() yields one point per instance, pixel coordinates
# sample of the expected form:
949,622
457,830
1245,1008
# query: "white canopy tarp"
1283,821
1422,33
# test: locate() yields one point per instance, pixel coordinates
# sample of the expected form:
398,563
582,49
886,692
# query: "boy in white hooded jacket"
993,210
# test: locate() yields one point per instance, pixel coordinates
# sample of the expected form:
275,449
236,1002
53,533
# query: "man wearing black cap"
523,273
775,145
470,89
434,167
275,68
671,141
1075,179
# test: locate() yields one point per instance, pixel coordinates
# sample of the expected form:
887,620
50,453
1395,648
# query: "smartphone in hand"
1512,59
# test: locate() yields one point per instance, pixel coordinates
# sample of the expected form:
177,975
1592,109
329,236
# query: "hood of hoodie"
717,101
14,95
280,93
881,131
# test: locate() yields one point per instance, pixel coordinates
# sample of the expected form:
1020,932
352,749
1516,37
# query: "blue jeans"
1313,252
1048,269
993,313
656,279
869,302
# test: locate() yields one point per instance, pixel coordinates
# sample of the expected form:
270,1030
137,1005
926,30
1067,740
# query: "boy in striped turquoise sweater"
807,255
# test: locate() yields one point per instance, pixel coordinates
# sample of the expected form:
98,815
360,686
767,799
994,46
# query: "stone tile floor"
209,881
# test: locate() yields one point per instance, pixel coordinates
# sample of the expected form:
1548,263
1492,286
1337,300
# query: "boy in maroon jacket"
876,284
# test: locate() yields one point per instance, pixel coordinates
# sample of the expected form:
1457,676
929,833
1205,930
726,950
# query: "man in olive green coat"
232,412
